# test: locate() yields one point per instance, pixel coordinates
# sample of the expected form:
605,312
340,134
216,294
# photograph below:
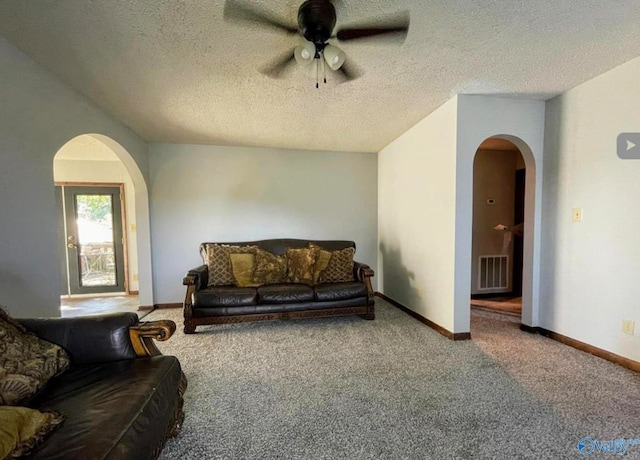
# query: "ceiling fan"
316,24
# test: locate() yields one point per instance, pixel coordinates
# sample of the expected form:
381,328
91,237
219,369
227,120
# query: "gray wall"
39,114
213,193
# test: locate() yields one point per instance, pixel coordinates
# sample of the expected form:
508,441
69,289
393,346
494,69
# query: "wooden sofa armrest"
364,273
143,335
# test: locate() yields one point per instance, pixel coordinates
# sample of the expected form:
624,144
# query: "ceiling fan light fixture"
334,57
305,54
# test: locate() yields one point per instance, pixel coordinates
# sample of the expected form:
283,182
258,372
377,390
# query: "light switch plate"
577,214
628,326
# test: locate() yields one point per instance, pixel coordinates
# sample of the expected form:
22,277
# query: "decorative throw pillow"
26,362
322,261
219,262
21,429
242,266
269,268
340,268
300,263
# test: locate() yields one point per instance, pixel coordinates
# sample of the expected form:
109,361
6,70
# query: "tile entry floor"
82,306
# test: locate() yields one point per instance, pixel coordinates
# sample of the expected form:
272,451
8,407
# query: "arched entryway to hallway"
467,149
528,313
103,206
497,249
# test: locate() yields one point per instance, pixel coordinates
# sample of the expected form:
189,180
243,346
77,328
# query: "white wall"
591,270
106,172
209,193
416,216
39,114
425,205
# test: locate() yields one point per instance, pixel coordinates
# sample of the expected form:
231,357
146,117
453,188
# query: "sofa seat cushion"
225,296
339,291
117,410
285,293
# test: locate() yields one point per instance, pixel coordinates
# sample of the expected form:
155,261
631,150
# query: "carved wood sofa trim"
143,334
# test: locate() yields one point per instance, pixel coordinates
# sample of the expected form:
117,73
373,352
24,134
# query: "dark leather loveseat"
230,304
121,398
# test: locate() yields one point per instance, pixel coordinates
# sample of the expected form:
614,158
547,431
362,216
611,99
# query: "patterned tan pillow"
340,268
300,263
219,263
242,266
269,268
24,428
26,362
322,261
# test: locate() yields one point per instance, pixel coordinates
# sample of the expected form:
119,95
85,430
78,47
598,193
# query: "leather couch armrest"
362,271
198,277
88,339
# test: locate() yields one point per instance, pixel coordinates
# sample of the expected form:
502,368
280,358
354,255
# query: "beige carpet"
346,388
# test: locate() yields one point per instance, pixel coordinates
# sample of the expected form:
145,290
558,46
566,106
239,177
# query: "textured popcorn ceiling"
174,71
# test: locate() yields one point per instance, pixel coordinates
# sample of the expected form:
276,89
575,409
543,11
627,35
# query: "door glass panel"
96,250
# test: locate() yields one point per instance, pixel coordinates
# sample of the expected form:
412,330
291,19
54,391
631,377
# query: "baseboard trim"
592,350
577,344
529,329
134,293
436,327
145,308
166,306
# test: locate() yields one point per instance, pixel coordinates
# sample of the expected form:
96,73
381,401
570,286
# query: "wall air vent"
493,273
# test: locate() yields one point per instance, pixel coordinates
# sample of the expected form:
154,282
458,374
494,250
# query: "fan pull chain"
324,70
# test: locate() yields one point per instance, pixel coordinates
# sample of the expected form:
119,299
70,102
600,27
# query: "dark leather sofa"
120,397
230,304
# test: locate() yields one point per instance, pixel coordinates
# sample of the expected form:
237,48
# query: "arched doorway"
95,175
499,186
530,234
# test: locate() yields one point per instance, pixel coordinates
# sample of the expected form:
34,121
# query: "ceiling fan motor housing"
316,19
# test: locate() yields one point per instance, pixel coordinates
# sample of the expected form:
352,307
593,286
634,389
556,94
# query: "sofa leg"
189,327
369,316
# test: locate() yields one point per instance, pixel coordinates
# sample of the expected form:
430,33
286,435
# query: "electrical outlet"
577,214
135,277
628,326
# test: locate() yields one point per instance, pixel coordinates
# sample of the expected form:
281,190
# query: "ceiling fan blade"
349,72
235,11
278,66
397,27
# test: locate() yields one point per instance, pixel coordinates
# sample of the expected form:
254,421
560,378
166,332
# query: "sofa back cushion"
340,267
216,256
26,362
300,265
243,266
269,268
279,246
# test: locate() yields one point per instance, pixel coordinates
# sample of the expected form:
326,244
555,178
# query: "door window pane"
96,251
